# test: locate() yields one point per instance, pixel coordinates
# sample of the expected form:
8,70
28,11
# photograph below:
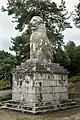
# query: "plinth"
40,86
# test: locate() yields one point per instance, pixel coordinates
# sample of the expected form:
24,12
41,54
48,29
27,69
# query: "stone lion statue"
40,46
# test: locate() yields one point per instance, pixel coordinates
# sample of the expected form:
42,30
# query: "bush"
74,95
74,79
4,83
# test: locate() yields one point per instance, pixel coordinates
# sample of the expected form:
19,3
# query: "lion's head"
35,22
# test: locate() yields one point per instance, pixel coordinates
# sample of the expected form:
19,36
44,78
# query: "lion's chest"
37,36
36,40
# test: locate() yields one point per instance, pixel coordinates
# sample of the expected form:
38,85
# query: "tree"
69,58
62,58
21,46
7,63
73,53
54,17
70,47
77,16
76,59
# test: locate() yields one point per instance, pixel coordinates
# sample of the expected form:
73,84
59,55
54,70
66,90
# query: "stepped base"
16,106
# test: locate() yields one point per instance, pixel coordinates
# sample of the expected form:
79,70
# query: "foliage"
73,53
21,47
54,17
77,16
7,63
75,63
70,48
77,55
62,58
69,58
74,79
74,96
4,83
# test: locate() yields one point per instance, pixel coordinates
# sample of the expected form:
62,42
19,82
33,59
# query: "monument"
41,48
38,84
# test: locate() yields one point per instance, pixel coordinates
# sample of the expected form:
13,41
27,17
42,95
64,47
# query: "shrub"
74,79
74,95
4,83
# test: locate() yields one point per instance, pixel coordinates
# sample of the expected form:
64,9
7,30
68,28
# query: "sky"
7,28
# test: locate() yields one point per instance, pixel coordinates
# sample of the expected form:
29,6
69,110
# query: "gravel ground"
71,114
5,92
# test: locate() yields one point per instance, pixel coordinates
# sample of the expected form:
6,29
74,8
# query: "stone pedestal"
40,85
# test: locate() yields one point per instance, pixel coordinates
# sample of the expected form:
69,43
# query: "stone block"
57,83
57,96
45,98
50,97
52,83
16,96
28,97
64,96
46,83
53,89
64,89
57,89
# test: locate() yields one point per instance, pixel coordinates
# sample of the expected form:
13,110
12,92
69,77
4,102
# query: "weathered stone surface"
41,84
43,67
40,46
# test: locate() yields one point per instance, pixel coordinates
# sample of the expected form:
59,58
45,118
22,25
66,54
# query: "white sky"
7,28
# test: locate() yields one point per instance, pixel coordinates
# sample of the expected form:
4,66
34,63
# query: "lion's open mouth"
33,27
